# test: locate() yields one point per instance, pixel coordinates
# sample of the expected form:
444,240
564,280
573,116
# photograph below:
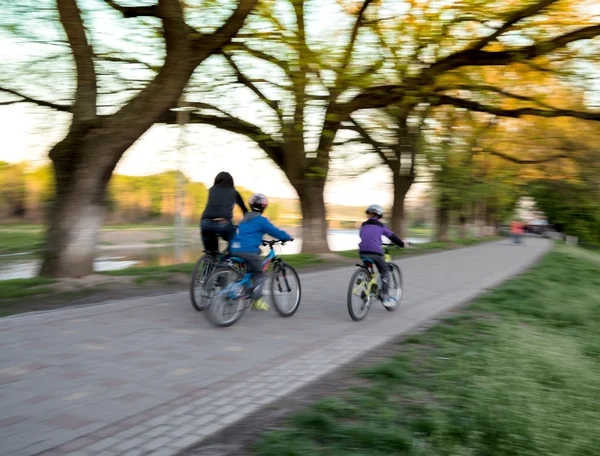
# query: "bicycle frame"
246,280
373,272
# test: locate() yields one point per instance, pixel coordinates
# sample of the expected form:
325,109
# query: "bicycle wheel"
396,286
286,291
202,271
359,299
221,309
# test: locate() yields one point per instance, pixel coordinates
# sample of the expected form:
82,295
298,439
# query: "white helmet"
375,209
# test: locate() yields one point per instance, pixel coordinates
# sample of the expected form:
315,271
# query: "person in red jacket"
516,230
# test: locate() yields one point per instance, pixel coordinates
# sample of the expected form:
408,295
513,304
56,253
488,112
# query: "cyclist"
247,241
218,214
370,247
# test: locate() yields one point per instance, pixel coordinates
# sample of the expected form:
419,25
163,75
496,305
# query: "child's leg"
384,270
254,267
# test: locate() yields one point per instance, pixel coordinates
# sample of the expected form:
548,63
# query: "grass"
184,268
166,240
125,226
427,247
516,373
20,241
20,288
421,232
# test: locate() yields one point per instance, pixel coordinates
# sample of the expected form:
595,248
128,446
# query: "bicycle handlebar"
274,242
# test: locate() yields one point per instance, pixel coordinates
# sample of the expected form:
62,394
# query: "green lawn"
20,241
19,288
516,373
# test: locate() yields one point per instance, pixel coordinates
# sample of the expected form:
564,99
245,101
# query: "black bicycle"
203,269
365,286
229,288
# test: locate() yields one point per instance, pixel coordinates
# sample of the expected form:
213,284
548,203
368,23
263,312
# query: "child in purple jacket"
370,247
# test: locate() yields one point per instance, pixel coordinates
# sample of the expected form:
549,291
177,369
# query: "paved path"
150,376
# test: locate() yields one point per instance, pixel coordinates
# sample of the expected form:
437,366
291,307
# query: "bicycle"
230,288
203,269
366,286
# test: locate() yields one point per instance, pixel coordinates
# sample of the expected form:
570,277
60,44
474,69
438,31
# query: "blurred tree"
12,198
571,206
286,61
375,54
470,184
99,135
466,54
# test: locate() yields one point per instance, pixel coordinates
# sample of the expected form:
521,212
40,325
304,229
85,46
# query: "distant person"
370,247
247,241
516,230
218,214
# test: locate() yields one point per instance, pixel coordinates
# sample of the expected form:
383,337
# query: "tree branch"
207,45
26,99
260,55
116,59
369,140
206,106
134,11
490,88
353,35
477,57
474,106
521,161
513,19
266,142
372,98
242,79
86,93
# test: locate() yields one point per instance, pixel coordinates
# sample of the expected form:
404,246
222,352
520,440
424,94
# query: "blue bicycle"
229,288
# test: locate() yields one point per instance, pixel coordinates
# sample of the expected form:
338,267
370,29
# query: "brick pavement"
150,376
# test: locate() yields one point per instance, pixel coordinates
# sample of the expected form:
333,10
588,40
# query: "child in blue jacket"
247,240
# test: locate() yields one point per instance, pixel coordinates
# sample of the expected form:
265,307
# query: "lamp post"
183,116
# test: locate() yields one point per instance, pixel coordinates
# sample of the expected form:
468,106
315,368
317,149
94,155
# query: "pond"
25,265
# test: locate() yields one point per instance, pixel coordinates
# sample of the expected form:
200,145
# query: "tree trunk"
462,227
77,212
443,220
402,185
314,216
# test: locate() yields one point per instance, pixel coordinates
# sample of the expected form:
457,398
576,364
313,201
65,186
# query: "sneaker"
389,303
260,304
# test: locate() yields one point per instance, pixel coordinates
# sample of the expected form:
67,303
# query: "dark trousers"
384,270
212,229
254,267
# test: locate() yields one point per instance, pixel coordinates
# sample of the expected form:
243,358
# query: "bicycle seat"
238,260
367,260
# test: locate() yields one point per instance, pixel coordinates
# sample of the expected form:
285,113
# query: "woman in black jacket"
218,214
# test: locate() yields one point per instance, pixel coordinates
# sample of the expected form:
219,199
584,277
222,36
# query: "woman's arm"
240,202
